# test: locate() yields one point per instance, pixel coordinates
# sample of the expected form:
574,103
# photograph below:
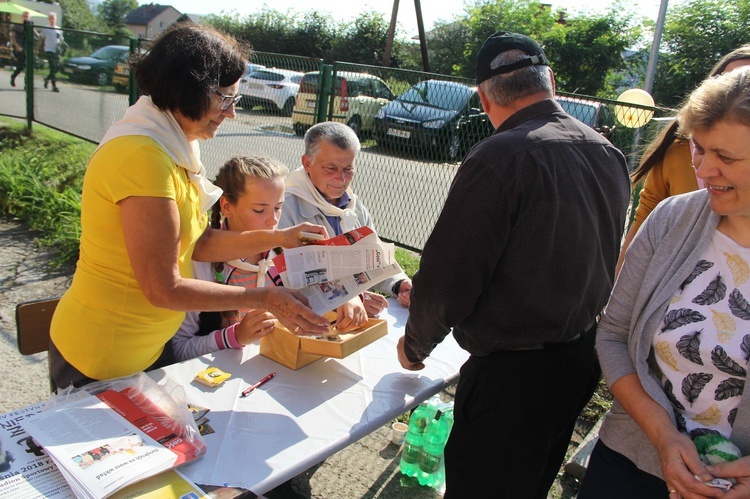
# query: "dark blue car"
441,118
97,67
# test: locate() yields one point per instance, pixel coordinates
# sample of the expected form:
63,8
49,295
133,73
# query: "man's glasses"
227,100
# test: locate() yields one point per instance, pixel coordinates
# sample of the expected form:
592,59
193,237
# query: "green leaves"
40,183
697,34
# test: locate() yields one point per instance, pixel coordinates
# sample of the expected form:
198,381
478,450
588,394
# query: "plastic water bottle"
414,440
439,480
431,456
434,404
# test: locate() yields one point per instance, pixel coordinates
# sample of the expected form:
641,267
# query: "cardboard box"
294,351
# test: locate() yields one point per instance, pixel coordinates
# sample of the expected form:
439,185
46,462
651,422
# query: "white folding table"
301,417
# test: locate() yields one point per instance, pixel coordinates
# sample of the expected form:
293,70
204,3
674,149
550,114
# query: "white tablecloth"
301,417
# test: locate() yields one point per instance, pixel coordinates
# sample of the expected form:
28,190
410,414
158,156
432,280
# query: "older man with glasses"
318,192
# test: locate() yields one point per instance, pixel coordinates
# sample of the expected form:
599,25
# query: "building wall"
158,24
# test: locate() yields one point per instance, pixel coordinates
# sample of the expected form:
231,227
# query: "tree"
363,42
113,13
485,17
273,31
315,35
584,51
696,35
78,15
446,44
581,51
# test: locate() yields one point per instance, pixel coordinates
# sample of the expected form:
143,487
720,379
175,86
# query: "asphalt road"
403,195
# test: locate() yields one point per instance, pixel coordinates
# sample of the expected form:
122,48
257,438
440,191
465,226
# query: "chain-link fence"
415,127
68,88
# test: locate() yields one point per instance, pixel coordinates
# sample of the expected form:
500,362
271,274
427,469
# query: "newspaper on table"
111,434
26,472
333,271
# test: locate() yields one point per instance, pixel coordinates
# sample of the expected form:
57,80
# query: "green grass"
41,174
408,260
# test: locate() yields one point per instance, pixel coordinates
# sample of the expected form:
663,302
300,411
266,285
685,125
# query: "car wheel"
102,78
288,106
299,129
355,124
453,147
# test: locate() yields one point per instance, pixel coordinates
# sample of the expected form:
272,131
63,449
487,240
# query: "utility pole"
391,34
654,56
422,42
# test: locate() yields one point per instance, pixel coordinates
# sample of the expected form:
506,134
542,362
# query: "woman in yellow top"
666,163
144,218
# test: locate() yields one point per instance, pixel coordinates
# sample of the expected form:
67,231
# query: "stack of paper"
104,442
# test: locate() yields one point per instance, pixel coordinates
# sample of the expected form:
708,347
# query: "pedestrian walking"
52,38
18,43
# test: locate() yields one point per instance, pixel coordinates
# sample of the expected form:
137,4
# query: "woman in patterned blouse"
674,340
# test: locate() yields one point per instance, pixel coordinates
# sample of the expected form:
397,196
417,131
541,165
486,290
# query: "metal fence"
415,127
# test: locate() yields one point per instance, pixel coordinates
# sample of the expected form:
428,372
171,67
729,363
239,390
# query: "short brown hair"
185,62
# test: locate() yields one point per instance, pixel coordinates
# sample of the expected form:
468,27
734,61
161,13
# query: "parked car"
250,67
97,67
358,97
272,87
439,117
595,114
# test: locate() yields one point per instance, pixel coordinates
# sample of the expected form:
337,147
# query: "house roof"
146,13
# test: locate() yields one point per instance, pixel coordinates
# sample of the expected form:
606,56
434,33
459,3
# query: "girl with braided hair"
253,194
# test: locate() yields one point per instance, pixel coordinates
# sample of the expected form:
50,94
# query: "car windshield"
267,75
107,53
452,97
583,111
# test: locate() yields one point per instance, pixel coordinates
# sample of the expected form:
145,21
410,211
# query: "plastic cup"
398,432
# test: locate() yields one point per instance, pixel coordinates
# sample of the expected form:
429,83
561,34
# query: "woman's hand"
680,464
256,324
291,309
677,453
374,303
351,315
739,470
291,237
404,293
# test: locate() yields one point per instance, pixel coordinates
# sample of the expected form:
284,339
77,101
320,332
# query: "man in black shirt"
519,264
18,41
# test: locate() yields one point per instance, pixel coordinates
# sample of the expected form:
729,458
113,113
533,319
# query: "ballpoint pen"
247,391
